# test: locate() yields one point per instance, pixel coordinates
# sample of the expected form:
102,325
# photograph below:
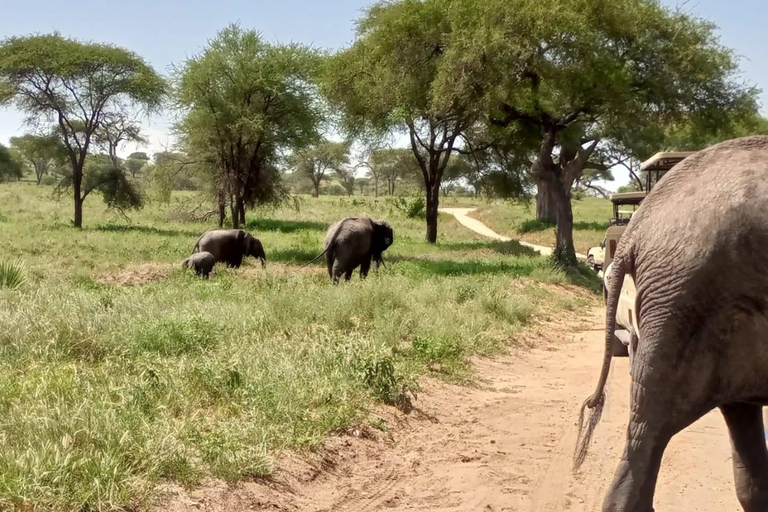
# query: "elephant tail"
317,257
596,402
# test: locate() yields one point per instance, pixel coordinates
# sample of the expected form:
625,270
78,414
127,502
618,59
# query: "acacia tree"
136,162
77,87
317,160
42,152
245,101
346,176
581,74
396,78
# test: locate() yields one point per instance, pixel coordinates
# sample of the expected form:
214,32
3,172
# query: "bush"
413,207
12,274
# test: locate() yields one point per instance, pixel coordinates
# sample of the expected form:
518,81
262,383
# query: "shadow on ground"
285,226
534,226
511,248
149,230
295,256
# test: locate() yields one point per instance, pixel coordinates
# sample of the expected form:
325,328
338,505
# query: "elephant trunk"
260,254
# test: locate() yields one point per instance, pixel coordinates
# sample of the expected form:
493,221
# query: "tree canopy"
315,161
76,89
42,153
244,102
394,79
563,78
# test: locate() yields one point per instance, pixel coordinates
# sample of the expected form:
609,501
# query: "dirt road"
462,215
503,446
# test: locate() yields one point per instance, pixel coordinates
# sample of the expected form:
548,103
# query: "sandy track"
462,215
505,445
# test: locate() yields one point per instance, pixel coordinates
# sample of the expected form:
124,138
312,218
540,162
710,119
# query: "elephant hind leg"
750,455
329,260
365,266
657,414
336,272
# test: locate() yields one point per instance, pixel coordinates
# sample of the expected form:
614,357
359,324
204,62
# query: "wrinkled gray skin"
696,250
202,262
230,246
353,242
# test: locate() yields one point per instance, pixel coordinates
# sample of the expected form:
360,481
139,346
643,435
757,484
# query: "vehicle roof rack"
627,197
665,161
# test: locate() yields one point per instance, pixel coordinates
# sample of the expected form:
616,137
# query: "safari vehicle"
626,313
624,205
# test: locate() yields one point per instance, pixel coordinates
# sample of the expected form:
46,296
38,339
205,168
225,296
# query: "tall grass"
107,390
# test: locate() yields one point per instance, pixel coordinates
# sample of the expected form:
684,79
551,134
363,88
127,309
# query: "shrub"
413,207
12,274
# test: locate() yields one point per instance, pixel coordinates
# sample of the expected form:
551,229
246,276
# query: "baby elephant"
202,262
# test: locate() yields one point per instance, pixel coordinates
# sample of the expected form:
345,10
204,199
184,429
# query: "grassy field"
118,370
518,221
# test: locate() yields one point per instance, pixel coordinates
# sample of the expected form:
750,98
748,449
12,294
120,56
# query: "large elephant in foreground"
230,246
353,242
696,251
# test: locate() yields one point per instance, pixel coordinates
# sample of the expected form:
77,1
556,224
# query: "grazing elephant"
696,251
353,242
230,245
202,262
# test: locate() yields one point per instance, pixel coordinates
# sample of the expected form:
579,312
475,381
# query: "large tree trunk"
433,200
235,212
241,212
375,186
77,178
317,188
222,209
78,209
565,252
546,201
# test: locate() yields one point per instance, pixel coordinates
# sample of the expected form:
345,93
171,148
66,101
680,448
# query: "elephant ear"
242,242
382,235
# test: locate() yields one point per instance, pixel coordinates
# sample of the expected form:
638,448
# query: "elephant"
353,242
694,248
230,245
202,262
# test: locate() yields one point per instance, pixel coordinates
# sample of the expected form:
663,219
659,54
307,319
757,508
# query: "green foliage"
12,274
393,80
78,91
317,160
582,75
44,153
412,208
244,102
10,168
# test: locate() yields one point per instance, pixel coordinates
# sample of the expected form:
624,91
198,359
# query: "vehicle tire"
618,349
591,262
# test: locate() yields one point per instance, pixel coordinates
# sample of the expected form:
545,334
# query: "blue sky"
165,32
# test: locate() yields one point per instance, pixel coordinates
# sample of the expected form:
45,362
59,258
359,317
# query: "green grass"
106,391
519,221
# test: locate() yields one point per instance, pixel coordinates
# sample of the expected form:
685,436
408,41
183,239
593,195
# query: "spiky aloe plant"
12,274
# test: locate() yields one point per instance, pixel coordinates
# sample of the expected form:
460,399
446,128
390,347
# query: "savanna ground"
120,371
